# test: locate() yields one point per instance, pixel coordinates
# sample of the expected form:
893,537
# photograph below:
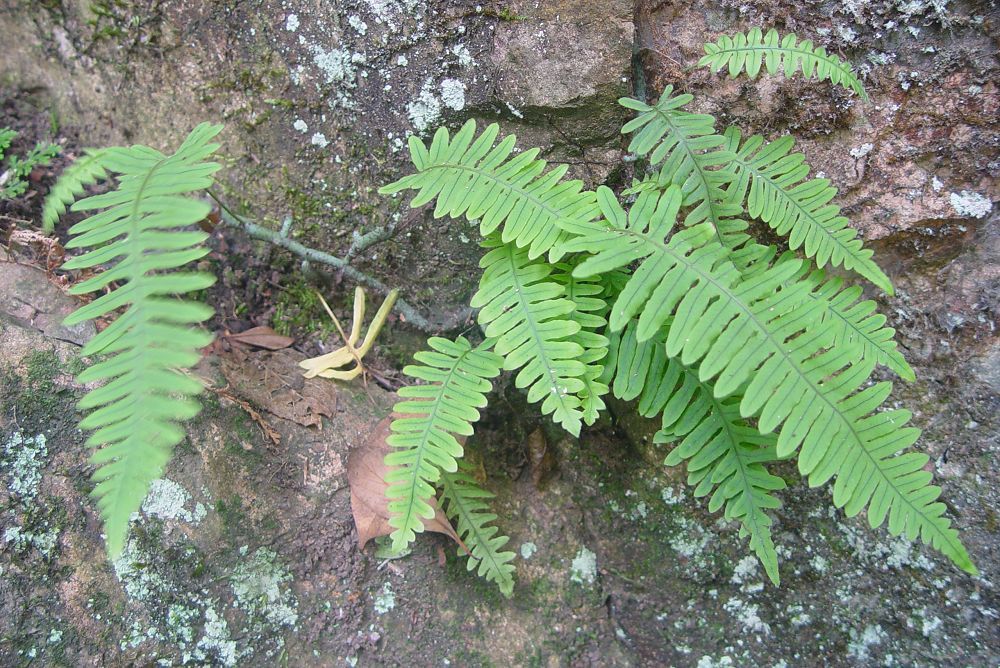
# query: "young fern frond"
484,183
529,315
145,393
590,309
465,502
777,192
744,52
769,336
693,157
424,429
86,171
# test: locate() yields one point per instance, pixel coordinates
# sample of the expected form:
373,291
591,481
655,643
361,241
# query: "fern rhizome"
658,296
746,356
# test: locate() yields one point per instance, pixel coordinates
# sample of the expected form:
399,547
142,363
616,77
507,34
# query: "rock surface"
245,553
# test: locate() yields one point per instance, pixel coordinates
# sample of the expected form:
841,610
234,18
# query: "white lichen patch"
746,569
583,570
359,26
301,125
671,497
166,500
44,541
453,94
385,600
319,139
425,110
292,22
862,151
971,204
258,584
24,459
862,642
748,614
216,640
528,550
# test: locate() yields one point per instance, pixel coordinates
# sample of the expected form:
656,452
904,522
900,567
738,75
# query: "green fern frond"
145,393
590,309
770,336
529,315
7,136
465,502
774,183
744,52
693,157
423,433
86,171
484,183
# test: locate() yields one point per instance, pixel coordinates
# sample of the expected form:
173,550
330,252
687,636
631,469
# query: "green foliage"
483,183
426,424
14,176
138,238
465,502
86,171
746,356
744,52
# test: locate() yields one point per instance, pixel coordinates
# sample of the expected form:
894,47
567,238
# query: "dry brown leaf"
271,381
366,471
543,462
262,337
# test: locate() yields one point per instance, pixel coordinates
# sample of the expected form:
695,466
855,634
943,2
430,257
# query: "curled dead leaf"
543,461
366,472
261,337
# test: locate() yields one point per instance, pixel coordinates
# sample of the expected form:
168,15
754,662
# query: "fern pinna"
747,356
139,239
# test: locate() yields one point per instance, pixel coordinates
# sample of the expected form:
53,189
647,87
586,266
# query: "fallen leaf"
366,471
262,337
543,462
271,381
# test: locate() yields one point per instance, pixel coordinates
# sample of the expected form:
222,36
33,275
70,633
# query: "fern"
483,183
693,156
464,501
776,190
424,429
86,171
135,413
744,53
529,315
588,312
771,335
14,177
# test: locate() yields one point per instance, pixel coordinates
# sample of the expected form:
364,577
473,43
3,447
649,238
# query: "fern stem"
412,316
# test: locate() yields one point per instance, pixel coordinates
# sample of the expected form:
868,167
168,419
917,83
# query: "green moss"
298,311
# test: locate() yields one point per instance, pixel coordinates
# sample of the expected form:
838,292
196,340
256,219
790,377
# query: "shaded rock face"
245,553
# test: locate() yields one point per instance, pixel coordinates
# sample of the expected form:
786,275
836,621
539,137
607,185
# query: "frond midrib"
858,442
731,441
787,196
833,60
425,438
705,187
455,498
556,213
536,337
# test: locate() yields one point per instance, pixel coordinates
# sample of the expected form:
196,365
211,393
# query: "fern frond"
86,171
694,157
724,453
744,52
769,336
465,502
145,393
484,183
423,433
774,183
589,311
529,315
